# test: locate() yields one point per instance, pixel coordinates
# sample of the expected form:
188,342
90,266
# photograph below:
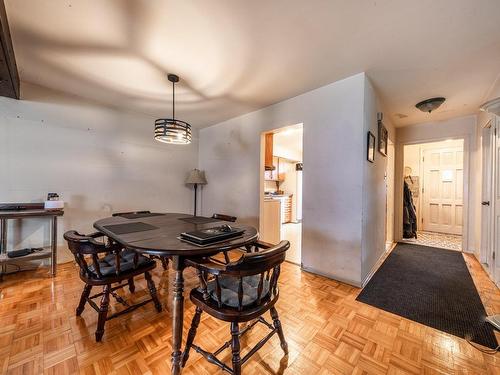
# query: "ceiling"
234,56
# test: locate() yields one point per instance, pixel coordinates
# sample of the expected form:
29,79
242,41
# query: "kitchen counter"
276,196
285,205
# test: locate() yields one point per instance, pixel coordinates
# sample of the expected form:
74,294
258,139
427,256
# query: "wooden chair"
104,264
163,260
223,217
231,219
130,213
239,292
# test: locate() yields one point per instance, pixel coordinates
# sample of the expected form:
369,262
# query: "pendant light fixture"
170,130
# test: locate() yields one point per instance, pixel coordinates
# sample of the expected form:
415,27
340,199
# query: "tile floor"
442,240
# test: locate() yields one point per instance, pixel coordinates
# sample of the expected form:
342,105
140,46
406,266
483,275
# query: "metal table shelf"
50,252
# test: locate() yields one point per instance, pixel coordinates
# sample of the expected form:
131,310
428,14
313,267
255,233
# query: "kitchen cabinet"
284,206
270,229
268,152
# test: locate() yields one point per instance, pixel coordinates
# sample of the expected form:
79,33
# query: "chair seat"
229,290
107,264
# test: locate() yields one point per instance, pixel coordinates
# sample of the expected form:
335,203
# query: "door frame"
262,179
390,173
398,186
495,189
486,255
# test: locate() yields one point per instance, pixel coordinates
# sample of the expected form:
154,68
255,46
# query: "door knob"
485,203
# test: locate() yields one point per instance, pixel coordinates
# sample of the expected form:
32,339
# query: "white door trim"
495,207
398,186
485,249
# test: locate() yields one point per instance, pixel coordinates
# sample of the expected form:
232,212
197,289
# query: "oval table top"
158,234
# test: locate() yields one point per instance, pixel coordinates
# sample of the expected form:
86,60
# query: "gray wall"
97,158
333,117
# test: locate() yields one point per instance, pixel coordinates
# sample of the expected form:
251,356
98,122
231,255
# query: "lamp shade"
196,177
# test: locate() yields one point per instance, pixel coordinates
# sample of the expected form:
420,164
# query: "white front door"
443,190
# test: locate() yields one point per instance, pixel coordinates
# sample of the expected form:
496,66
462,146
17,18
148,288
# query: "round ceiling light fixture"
171,130
430,105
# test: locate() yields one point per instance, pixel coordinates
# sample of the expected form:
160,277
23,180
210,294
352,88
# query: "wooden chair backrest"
265,260
130,213
223,217
86,249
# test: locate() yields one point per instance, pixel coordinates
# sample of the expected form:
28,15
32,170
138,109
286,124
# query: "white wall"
461,127
332,120
98,159
374,187
334,155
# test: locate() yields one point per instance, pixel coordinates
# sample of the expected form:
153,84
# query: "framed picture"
382,138
371,148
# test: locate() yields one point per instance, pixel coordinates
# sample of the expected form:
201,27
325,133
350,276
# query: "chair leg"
279,328
164,263
191,335
103,313
226,257
235,348
131,285
83,299
152,291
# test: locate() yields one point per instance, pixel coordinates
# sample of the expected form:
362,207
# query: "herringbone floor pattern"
328,332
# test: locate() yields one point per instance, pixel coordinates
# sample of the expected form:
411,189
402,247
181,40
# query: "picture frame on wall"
382,138
370,148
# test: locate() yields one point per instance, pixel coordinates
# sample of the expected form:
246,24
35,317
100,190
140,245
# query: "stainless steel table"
46,253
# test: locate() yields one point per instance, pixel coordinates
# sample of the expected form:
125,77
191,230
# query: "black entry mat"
198,220
129,228
433,287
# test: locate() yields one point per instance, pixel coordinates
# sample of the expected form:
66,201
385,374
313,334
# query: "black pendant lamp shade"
170,130
430,105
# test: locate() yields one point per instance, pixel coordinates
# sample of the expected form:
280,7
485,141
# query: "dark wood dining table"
158,234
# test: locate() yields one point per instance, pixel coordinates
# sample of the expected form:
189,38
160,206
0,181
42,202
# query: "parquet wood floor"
328,332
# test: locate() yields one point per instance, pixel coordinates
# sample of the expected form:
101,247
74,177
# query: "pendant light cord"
173,100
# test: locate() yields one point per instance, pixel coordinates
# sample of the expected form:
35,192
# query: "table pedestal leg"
53,247
178,314
3,244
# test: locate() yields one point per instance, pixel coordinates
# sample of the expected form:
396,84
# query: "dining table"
159,234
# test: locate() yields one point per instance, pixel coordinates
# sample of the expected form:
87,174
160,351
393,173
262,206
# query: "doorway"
281,188
434,177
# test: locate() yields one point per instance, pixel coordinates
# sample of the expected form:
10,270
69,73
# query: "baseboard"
486,271
378,263
328,276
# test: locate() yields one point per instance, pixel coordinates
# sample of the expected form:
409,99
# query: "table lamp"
196,177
